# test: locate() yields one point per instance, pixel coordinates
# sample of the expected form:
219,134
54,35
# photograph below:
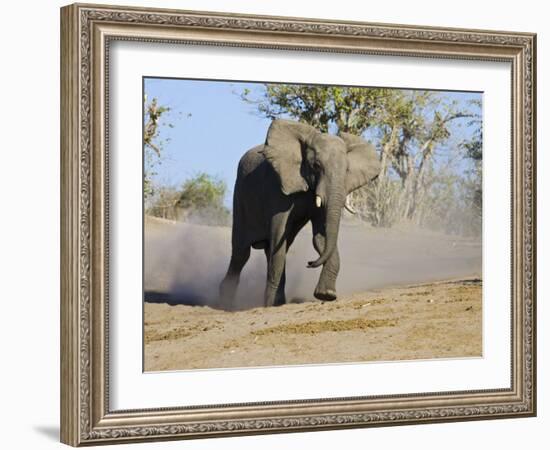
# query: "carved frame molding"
86,32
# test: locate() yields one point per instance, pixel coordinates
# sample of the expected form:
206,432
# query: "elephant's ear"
283,150
363,162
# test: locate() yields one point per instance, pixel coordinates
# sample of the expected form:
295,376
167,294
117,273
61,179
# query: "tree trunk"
419,184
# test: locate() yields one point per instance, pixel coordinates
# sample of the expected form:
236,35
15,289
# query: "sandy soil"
395,300
434,320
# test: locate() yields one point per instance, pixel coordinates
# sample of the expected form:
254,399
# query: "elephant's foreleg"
228,286
326,286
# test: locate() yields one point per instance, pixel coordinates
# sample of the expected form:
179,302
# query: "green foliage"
474,146
201,191
350,109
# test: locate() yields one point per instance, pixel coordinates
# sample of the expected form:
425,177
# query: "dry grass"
326,325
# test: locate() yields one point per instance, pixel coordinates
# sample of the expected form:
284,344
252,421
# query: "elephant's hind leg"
276,259
280,298
228,286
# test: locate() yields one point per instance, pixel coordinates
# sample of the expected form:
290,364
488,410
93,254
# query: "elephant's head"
331,166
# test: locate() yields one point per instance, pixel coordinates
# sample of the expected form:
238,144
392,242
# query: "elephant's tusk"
348,206
318,201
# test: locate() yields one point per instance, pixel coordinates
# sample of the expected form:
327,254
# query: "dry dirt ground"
403,294
435,320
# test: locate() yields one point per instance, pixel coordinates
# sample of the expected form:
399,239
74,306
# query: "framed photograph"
276,224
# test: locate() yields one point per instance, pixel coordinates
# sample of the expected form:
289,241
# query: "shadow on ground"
176,299
51,432
191,299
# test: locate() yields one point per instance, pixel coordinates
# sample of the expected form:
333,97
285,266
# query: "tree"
202,191
152,144
474,145
406,126
347,109
474,152
162,202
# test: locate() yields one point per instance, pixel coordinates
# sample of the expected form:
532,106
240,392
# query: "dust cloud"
184,263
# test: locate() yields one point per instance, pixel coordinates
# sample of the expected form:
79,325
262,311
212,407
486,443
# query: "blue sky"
220,128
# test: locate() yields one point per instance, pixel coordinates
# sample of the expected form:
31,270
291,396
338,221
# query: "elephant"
298,175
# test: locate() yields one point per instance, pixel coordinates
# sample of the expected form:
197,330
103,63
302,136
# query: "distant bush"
202,191
199,201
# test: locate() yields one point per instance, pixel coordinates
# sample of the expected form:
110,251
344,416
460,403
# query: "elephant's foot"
227,292
274,300
325,294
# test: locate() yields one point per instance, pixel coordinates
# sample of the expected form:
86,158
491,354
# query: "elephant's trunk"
334,206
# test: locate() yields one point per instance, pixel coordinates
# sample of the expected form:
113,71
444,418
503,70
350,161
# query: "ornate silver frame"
86,31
